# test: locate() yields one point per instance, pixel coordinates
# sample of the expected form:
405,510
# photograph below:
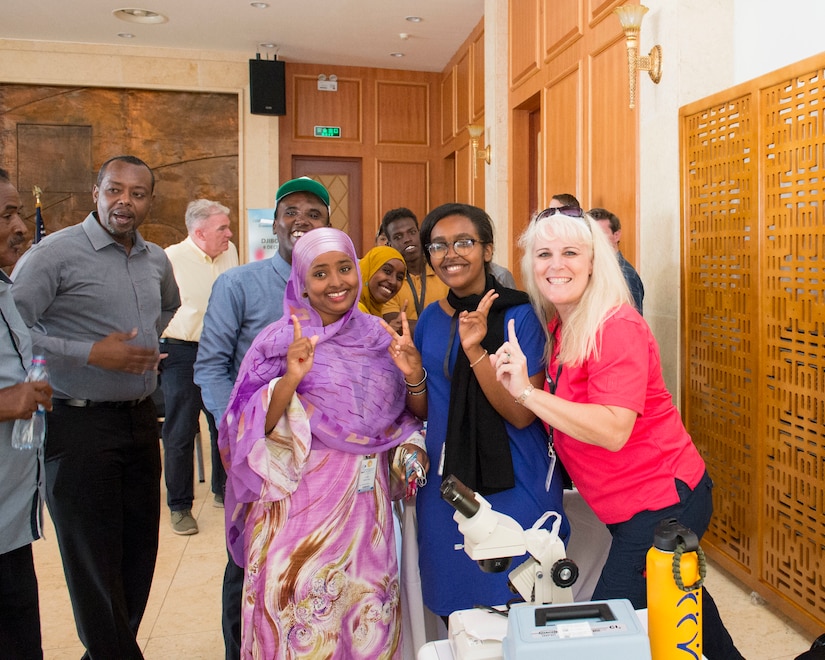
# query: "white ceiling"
345,32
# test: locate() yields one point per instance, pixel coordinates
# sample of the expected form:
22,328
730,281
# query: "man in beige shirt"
197,261
422,286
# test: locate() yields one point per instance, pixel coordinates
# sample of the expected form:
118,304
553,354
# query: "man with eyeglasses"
612,228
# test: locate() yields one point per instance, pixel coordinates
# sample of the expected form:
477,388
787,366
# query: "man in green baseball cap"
300,205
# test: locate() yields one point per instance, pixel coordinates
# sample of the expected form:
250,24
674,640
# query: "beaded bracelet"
473,364
420,382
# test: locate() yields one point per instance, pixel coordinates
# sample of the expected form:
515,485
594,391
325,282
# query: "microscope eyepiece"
461,498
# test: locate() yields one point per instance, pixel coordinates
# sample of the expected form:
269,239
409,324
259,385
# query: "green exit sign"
328,131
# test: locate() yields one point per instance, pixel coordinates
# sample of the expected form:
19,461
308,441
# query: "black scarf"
477,448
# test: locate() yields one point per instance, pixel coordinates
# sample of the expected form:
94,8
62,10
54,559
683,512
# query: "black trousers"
103,493
182,407
19,606
231,619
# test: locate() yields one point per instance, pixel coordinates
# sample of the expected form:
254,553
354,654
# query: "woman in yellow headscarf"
382,271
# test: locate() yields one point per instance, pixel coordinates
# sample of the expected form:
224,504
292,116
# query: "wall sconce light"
630,16
476,132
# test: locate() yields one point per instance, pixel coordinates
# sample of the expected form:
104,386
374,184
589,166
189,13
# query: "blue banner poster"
263,243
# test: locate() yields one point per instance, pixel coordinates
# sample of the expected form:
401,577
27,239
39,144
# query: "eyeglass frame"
448,244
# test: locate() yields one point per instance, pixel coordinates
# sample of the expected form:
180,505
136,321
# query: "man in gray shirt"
20,480
96,297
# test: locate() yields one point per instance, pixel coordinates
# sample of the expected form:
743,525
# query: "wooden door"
342,178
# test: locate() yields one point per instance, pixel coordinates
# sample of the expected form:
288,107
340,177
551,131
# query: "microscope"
548,623
493,539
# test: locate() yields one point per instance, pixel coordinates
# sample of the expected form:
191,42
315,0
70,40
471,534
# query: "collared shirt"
78,286
634,282
435,290
19,507
195,273
244,301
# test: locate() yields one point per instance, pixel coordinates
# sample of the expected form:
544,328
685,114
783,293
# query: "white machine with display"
596,629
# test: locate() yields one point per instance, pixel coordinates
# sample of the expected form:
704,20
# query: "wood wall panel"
463,92
524,22
464,173
612,139
597,10
311,107
403,184
562,25
448,108
402,113
463,77
588,143
562,134
753,237
477,77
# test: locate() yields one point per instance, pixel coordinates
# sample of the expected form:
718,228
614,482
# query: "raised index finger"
511,333
296,328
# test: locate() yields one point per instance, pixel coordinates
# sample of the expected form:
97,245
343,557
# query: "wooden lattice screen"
753,174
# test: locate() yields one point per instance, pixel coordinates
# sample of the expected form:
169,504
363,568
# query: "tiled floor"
183,616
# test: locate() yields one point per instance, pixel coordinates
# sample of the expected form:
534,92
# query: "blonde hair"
604,294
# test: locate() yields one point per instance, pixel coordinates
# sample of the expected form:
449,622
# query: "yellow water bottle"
675,572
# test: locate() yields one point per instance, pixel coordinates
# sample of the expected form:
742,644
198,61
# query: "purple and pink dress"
321,574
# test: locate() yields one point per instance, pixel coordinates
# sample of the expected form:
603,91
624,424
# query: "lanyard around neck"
419,302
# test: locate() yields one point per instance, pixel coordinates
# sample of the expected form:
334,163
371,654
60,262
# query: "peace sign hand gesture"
472,326
402,350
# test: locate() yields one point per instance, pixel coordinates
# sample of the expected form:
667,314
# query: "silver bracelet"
418,393
420,382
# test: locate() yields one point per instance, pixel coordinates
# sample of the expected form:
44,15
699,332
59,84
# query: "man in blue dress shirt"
244,301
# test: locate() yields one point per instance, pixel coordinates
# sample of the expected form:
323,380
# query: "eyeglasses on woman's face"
462,247
571,211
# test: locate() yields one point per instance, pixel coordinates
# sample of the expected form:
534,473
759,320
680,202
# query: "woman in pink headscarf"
317,406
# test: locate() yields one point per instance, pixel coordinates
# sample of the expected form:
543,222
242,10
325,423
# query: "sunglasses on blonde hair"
569,211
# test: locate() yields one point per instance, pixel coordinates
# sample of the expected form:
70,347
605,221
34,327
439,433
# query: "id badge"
366,475
552,454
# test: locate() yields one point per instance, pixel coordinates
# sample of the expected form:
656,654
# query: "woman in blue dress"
475,429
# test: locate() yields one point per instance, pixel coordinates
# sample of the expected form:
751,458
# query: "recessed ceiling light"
139,16
259,5
414,19
125,35
267,45
396,54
